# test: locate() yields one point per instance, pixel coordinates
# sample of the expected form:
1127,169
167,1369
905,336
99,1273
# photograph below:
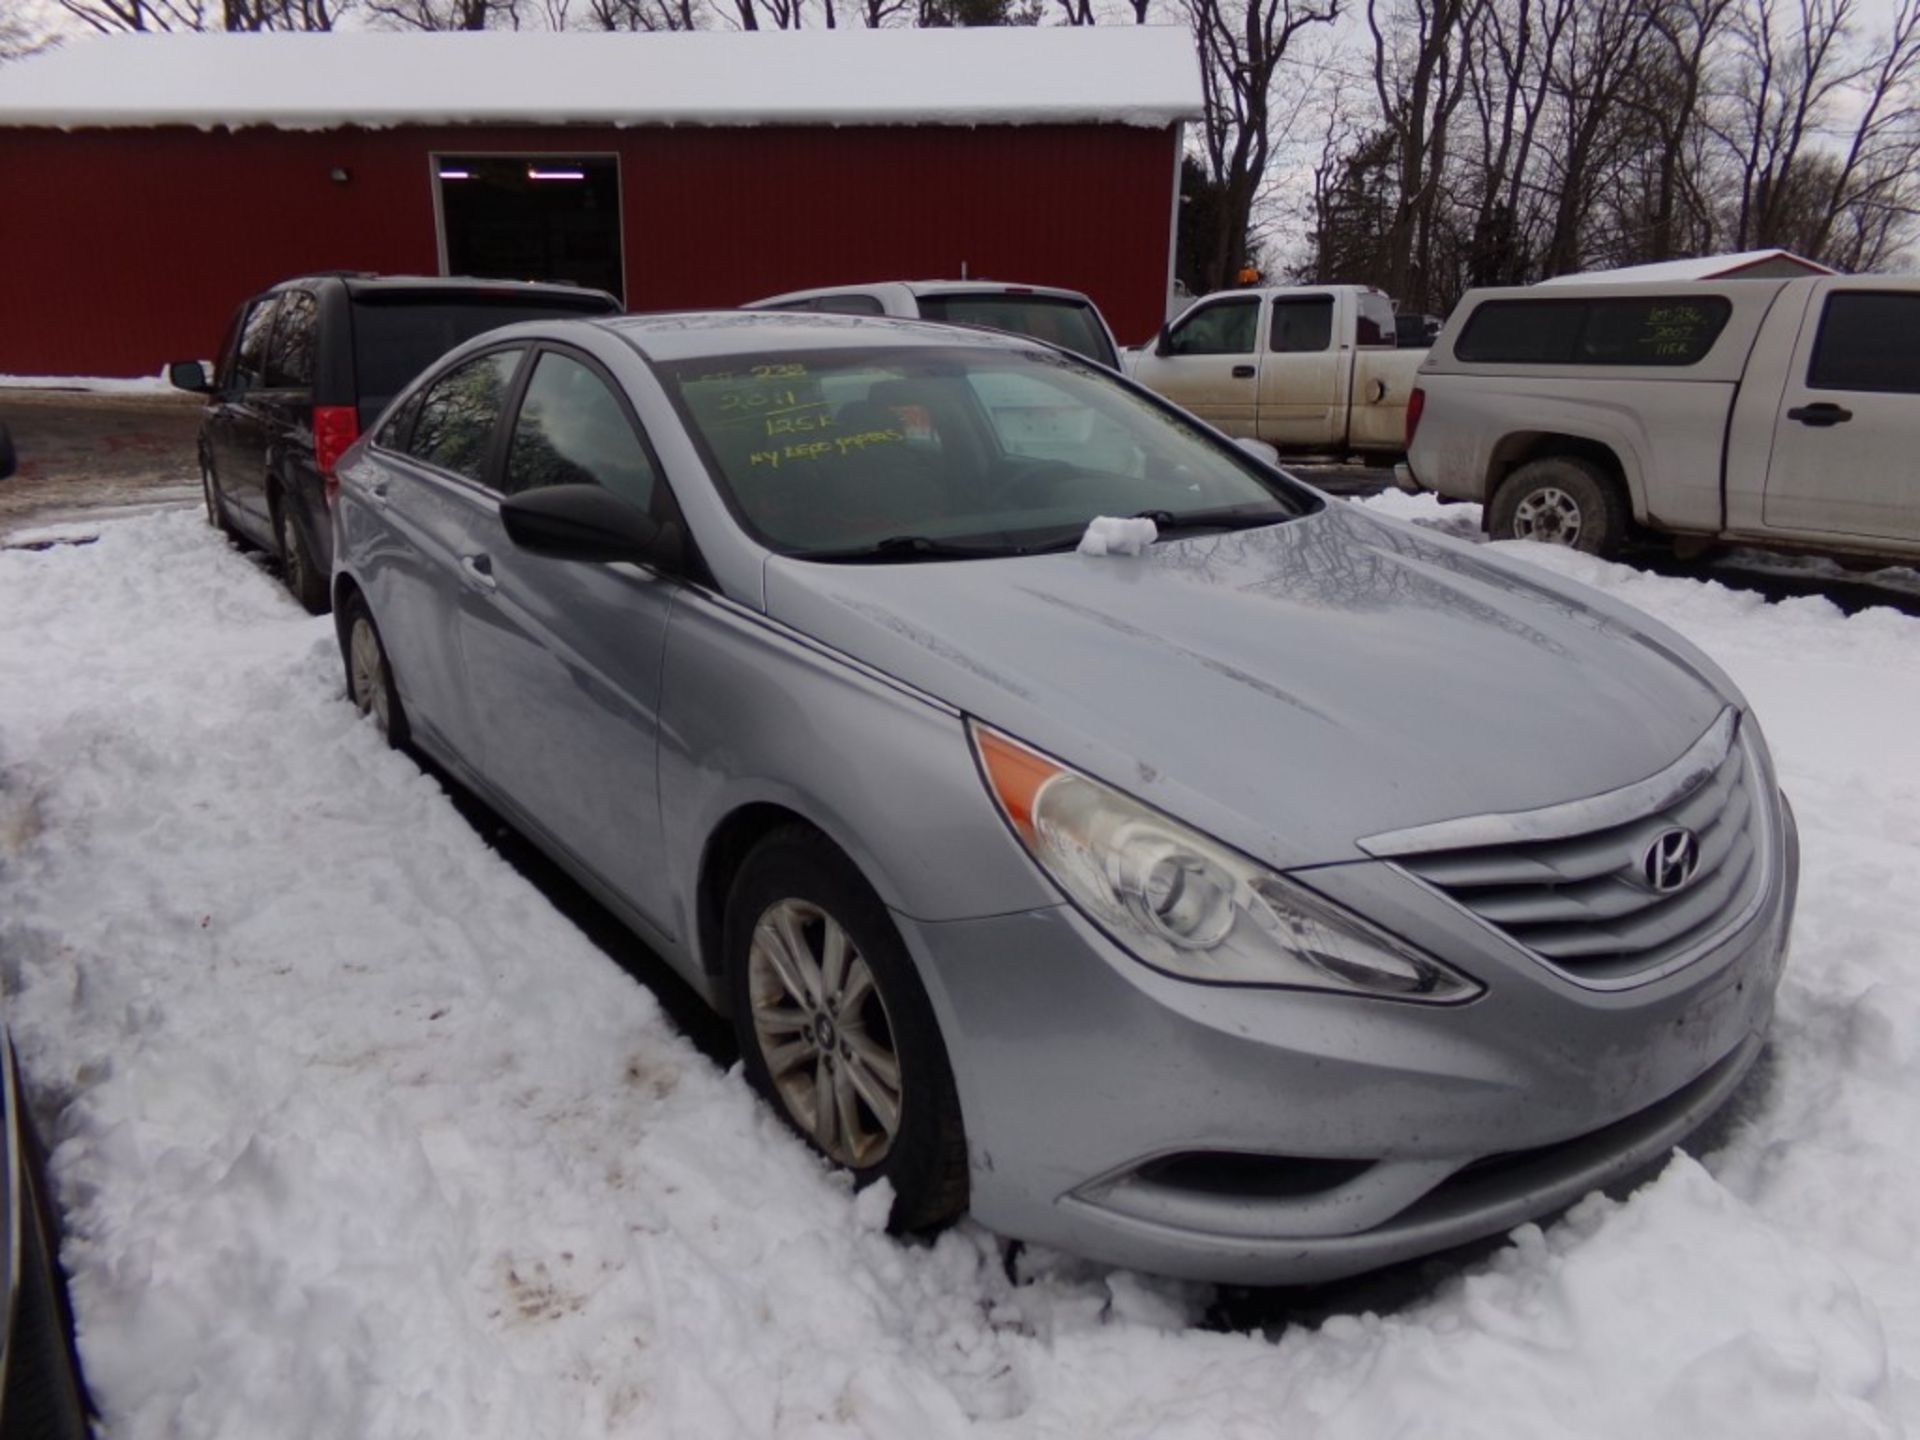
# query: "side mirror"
8,461
189,375
586,522
1260,450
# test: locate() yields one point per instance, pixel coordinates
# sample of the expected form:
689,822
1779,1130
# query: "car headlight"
1188,905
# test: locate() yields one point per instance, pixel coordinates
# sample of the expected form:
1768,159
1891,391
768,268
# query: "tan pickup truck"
1776,413
1309,367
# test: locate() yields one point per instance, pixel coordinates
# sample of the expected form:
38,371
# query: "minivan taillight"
1416,403
335,427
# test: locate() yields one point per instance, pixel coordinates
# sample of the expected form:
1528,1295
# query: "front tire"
369,674
1561,500
297,566
216,503
835,1028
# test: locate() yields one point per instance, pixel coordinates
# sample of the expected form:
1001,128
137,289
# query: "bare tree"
1242,43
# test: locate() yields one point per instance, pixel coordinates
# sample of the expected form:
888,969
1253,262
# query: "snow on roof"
1134,75
1706,267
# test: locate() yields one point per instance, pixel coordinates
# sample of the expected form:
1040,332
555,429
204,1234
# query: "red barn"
151,182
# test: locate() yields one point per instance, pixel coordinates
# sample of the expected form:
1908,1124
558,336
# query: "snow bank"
93,384
359,1137
1127,74
1114,535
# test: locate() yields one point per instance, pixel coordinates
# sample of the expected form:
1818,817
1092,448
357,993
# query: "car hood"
1289,689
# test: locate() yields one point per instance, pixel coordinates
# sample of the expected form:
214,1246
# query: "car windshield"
885,454
1070,324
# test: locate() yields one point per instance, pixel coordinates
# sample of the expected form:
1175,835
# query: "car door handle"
1243,372
476,573
1822,414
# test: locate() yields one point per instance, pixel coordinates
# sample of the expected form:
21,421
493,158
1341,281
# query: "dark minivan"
309,364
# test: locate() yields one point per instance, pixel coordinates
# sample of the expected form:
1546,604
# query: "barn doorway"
531,217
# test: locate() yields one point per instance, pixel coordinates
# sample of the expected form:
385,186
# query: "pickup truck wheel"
1562,500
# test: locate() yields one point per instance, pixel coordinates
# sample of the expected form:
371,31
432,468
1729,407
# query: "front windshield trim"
1290,500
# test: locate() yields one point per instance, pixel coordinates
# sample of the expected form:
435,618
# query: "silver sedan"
1296,895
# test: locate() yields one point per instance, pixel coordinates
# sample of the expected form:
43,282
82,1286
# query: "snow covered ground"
358,1137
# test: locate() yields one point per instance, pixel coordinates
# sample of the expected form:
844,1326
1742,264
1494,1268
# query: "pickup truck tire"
1561,500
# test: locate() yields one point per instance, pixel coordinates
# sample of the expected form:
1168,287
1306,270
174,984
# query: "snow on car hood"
1289,689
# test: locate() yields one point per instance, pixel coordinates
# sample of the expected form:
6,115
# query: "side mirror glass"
584,522
8,461
189,375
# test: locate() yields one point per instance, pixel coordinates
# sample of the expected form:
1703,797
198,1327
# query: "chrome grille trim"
1574,899
1574,817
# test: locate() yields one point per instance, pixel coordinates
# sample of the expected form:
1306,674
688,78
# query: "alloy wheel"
1550,515
366,668
824,1032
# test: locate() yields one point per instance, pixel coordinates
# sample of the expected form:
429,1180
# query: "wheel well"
727,848
1526,446
344,589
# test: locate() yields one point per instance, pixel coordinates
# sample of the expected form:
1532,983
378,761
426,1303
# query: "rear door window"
572,430
459,412
1059,320
1869,340
849,305
290,355
1227,327
1301,327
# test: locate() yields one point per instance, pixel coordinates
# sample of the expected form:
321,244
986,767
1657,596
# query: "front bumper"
1359,1132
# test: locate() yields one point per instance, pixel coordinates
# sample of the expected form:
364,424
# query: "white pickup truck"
1305,367
1776,413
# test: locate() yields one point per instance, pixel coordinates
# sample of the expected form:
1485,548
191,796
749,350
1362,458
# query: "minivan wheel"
303,578
1561,500
369,675
835,1028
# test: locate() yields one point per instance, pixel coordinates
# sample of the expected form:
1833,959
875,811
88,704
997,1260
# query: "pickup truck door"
1304,373
1208,362
1845,431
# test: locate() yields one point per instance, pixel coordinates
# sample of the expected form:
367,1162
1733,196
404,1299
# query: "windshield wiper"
1166,522
911,547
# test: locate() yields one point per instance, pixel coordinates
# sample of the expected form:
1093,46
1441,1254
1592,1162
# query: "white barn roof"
1706,267
1134,75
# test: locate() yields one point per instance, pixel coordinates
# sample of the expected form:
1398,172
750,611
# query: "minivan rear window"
395,339
1642,330
1070,324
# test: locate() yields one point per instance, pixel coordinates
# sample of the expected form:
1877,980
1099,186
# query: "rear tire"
1561,500
835,1028
369,673
297,566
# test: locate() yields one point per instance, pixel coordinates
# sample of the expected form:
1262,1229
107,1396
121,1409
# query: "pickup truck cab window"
1226,328
1301,327
1869,340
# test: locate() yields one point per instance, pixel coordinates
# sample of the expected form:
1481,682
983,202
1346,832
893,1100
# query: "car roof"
934,287
376,286
699,334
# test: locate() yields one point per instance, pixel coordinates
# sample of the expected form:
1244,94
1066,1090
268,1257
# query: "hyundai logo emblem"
1670,861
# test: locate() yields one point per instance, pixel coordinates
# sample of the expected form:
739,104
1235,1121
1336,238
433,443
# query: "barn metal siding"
122,249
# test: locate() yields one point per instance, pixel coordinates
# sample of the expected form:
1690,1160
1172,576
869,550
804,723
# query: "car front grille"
1577,885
